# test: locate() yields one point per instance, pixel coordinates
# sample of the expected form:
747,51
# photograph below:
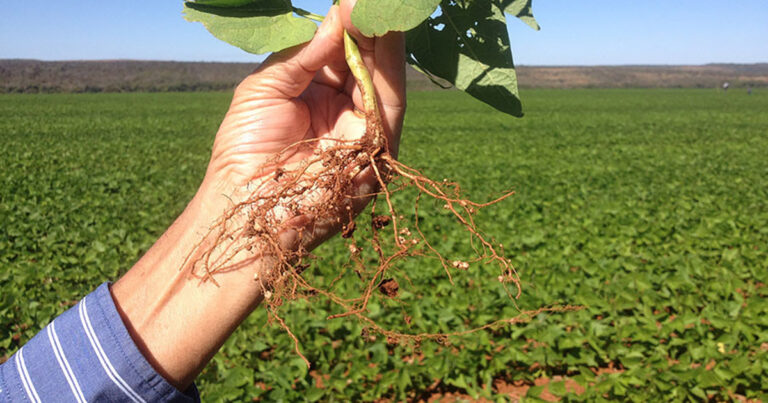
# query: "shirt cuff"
87,354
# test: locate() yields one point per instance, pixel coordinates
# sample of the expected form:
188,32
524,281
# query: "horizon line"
258,62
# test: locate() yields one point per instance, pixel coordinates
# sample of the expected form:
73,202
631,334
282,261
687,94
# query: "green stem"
367,91
308,14
363,79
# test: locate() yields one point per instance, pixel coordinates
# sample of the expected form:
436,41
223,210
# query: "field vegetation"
648,208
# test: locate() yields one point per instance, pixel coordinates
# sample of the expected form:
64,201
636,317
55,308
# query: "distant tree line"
33,76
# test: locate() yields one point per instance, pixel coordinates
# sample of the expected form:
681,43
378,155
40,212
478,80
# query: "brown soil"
515,390
389,287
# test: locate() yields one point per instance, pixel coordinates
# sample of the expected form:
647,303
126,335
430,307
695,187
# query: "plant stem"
308,14
363,79
368,93
356,66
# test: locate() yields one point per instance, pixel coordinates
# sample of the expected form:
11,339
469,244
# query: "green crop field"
648,208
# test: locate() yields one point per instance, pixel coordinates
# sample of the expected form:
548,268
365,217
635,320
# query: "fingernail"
289,239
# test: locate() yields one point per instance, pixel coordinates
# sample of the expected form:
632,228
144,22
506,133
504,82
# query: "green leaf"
522,10
377,17
534,391
557,388
258,27
403,380
224,3
314,394
468,45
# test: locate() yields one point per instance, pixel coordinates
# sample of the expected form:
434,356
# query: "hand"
303,93
307,93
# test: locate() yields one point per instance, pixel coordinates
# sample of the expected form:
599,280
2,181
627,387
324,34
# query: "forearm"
177,320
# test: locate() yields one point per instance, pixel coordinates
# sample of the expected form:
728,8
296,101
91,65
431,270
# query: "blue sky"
584,32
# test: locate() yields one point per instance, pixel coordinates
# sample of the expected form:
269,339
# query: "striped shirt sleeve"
86,354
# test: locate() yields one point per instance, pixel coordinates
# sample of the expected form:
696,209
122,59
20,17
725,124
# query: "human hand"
306,95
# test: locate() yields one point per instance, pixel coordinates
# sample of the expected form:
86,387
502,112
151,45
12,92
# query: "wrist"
177,320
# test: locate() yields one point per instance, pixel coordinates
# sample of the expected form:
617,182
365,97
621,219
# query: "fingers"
326,48
288,73
335,78
385,58
365,43
389,81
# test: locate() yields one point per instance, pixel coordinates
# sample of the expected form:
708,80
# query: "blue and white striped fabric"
85,355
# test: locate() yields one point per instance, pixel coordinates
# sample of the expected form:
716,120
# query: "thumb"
288,73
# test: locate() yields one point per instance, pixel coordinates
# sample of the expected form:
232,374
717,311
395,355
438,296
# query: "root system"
320,193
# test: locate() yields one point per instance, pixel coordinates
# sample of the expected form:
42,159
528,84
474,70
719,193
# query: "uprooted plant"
463,43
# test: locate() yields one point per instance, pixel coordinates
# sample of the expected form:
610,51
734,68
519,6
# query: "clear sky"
573,32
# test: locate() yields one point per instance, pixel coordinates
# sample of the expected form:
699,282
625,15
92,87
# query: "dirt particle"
381,221
368,335
389,287
348,230
278,173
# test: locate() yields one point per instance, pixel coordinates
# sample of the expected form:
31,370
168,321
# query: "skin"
178,322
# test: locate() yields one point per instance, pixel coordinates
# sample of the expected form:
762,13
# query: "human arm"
179,322
150,335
